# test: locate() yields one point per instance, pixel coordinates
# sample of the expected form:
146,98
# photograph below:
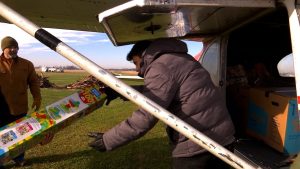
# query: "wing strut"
107,78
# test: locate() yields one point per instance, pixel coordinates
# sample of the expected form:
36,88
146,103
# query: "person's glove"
112,95
98,143
36,104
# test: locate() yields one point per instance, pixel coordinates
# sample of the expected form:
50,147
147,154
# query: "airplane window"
211,61
194,47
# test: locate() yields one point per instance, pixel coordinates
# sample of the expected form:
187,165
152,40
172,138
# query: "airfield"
116,71
69,147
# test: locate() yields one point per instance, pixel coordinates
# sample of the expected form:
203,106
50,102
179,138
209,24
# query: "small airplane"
128,77
51,69
243,42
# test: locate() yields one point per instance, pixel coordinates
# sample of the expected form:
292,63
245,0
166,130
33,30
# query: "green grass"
62,79
69,147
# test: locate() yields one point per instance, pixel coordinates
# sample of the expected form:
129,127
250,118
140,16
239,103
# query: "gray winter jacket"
177,82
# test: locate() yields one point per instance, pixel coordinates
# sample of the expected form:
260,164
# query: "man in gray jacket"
177,82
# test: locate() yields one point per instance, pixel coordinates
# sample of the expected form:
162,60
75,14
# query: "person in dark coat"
176,81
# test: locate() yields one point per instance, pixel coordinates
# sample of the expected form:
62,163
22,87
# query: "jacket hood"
159,47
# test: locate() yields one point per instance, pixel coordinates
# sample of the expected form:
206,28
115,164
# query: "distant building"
44,69
51,69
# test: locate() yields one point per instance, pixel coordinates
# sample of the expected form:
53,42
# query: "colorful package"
27,132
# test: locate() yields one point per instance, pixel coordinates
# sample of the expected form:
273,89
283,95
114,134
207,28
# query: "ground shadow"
141,154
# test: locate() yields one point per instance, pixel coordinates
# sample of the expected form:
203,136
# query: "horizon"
89,44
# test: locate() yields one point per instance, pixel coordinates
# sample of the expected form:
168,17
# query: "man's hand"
112,95
36,104
98,143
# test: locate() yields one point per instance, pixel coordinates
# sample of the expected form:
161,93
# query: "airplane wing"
129,77
155,19
63,14
126,76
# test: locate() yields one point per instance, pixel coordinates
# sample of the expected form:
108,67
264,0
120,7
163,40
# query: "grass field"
69,149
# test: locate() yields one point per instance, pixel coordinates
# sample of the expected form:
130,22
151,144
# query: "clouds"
67,36
39,54
96,46
11,30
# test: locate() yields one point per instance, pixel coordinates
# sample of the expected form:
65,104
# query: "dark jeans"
201,161
6,118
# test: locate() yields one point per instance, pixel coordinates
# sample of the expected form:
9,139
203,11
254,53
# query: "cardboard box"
27,132
273,117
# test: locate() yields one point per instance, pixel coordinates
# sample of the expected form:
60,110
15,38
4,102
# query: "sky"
95,46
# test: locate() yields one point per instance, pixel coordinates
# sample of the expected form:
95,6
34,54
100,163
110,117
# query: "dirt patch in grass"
126,72
122,72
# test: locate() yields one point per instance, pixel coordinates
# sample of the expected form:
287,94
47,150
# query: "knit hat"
7,42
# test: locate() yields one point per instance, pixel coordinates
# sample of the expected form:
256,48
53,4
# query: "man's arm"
139,88
159,87
34,86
